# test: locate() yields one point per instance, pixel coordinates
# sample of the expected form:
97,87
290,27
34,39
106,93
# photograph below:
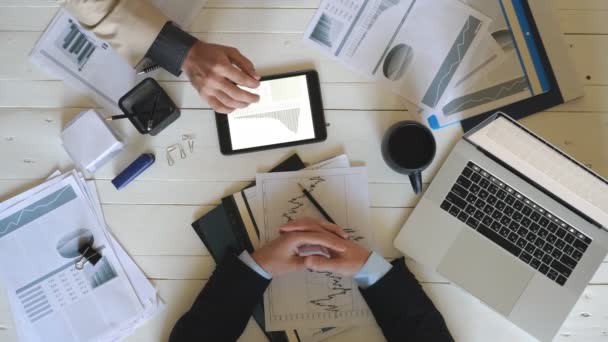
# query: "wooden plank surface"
165,200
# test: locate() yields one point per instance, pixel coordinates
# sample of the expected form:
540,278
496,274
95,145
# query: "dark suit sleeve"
402,309
223,308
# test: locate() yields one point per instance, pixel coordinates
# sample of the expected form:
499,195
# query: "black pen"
118,117
316,204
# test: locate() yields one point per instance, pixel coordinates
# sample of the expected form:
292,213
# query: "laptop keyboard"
515,223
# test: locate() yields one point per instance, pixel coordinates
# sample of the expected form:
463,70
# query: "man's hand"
280,256
215,70
346,262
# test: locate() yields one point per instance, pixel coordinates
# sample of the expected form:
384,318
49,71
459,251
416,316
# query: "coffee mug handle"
416,180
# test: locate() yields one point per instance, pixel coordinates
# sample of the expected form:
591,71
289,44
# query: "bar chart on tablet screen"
288,117
282,115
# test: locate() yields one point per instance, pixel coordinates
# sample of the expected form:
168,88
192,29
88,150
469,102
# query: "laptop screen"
545,165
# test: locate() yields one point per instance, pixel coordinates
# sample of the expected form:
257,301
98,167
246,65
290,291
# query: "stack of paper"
89,141
451,59
41,232
317,304
310,299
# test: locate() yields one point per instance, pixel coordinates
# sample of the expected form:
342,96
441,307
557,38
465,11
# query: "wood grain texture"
165,200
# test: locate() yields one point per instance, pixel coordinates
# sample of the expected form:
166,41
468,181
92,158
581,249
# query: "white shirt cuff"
374,269
248,260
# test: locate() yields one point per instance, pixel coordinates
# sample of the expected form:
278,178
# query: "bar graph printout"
310,299
88,64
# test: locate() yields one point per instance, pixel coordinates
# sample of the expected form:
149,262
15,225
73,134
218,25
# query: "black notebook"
226,229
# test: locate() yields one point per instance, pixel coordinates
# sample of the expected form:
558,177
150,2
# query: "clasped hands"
280,256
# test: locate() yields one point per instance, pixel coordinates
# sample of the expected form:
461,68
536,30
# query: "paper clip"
170,160
182,152
87,254
190,142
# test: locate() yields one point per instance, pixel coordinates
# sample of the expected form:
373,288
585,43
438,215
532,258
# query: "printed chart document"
503,84
40,233
89,64
417,47
310,299
250,196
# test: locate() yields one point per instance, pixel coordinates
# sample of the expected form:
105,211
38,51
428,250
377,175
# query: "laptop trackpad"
486,271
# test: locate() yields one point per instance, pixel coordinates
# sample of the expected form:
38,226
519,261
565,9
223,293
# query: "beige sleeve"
130,26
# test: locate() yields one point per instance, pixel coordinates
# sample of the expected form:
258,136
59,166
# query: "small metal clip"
170,160
182,152
190,140
150,124
87,254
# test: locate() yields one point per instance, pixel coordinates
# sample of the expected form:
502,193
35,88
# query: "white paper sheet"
144,291
90,65
503,84
416,47
315,299
250,194
89,141
56,301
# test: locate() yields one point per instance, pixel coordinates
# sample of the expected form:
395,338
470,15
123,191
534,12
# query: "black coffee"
410,147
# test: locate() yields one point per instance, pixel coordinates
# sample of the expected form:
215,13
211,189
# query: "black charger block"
149,107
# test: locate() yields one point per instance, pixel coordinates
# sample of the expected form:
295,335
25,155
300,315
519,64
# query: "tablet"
290,112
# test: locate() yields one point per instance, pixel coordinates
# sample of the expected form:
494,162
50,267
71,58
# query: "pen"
118,117
152,115
316,204
126,116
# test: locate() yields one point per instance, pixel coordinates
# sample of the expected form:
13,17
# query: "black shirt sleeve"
402,309
170,48
223,308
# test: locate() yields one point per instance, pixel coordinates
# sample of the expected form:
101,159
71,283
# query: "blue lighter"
132,171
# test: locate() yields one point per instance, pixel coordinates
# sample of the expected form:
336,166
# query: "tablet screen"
282,115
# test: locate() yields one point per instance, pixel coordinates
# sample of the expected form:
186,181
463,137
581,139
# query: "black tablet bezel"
316,106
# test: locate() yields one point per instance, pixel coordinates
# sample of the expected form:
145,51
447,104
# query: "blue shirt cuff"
374,269
246,258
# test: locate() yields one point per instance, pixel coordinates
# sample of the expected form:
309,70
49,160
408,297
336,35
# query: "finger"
297,263
321,264
303,229
243,63
334,228
237,76
324,239
301,224
229,101
236,92
310,224
218,106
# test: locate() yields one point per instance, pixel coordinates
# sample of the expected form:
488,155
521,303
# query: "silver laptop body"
513,221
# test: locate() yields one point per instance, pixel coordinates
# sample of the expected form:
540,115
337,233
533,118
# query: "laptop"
515,222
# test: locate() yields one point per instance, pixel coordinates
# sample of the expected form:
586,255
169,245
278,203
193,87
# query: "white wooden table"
152,216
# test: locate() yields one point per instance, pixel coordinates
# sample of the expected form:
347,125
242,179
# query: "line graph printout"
418,48
249,196
504,83
501,86
282,115
52,301
315,299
